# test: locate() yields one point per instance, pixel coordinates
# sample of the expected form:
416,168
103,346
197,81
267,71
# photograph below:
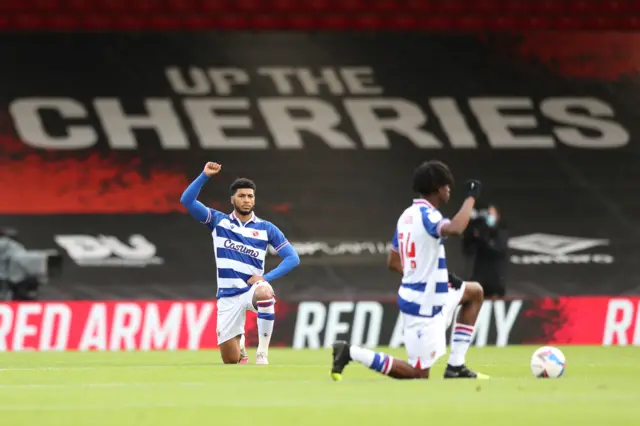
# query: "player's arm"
190,195
458,224
393,258
290,258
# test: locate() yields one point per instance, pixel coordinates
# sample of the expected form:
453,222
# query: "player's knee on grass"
410,373
473,292
230,351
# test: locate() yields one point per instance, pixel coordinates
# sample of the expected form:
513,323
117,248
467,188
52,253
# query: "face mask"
491,220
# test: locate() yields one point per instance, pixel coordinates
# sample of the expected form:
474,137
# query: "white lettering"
82,247
209,126
157,335
334,326
6,325
504,322
541,259
196,323
126,323
309,324
453,123
56,324
407,121
161,117
610,133
224,79
22,328
636,334
497,126
139,247
30,128
483,324
94,335
320,120
617,322
199,83
375,313
328,77
279,77
359,81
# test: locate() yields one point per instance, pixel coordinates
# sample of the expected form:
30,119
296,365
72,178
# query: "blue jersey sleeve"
213,218
290,258
203,214
433,221
394,241
276,237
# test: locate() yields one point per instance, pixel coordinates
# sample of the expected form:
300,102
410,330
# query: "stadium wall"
191,325
96,150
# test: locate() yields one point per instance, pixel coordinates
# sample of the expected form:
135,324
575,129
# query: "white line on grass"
107,385
556,399
158,366
270,366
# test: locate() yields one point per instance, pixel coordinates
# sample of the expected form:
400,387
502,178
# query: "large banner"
105,137
191,325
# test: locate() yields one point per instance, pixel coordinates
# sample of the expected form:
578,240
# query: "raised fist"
211,169
472,188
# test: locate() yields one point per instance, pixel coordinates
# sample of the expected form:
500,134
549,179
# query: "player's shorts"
232,314
425,338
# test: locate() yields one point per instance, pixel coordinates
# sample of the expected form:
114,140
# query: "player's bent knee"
263,292
230,352
474,291
230,360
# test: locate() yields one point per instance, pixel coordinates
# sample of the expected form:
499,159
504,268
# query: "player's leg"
230,328
343,354
230,351
470,302
425,342
244,358
263,300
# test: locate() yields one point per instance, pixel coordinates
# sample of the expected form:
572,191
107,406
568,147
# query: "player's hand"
472,188
455,281
254,279
211,169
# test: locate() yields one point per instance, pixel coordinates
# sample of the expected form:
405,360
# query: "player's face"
445,193
244,200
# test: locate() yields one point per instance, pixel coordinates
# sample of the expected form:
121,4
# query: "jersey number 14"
407,250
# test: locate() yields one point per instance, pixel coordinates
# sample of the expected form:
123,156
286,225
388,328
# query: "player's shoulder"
261,223
219,216
431,213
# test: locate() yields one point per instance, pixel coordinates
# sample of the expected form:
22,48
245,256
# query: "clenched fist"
472,188
211,169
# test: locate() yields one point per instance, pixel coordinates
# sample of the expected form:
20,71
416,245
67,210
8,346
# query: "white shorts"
232,314
425,338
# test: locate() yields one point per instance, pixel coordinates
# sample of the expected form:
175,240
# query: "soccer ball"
547,363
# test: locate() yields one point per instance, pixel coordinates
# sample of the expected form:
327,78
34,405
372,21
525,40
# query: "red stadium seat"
460,15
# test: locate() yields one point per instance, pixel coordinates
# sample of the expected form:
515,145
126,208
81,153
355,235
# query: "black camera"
23,271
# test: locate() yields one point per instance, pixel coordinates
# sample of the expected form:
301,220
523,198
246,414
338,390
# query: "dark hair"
242,183
431,176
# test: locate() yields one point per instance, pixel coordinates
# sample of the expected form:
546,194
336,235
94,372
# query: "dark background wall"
100,133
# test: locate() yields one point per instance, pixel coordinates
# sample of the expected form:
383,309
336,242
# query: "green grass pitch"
600,386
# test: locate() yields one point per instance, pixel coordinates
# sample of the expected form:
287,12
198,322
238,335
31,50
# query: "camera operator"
485,243
22,271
